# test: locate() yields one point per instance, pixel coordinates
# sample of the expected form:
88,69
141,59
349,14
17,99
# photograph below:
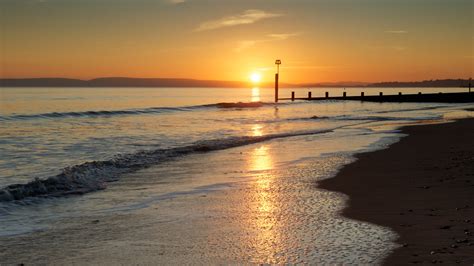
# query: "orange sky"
318,41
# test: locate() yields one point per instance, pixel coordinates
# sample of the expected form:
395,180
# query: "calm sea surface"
129,150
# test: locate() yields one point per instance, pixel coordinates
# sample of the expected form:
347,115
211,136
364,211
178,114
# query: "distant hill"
118,82
172,82
452,83
42,82
157,82
332,84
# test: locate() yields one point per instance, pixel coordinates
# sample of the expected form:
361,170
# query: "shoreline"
269,213
425,195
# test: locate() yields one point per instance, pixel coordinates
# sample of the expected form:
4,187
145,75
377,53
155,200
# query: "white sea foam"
92,176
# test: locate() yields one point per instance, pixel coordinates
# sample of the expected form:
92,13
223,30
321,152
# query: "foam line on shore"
92,176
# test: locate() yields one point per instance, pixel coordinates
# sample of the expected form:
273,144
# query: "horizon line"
229,81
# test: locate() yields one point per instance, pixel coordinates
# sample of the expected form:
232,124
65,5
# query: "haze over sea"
160,158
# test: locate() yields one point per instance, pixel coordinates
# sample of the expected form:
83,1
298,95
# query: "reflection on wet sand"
260,159
264,207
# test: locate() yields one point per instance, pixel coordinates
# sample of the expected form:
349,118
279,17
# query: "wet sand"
422,188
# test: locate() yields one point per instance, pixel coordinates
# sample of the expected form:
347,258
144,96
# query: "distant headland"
175,82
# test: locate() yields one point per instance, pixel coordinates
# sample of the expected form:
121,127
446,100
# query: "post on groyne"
276,87
278,63
470,85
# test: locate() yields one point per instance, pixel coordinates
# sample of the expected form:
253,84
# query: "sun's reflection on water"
257,130
255,94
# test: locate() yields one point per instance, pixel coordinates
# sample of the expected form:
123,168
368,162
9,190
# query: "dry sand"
423,188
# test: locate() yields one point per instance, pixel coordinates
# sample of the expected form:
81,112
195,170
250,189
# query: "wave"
151,110
240,105
365,118
414,109
93,176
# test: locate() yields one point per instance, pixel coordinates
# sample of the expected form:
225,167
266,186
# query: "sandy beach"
178,132
422,188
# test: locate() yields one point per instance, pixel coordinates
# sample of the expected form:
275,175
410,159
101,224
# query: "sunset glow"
255,77
319,41
214,132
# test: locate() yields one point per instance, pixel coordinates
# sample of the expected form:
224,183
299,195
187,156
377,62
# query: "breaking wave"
367,118
151,110
414,109
92,176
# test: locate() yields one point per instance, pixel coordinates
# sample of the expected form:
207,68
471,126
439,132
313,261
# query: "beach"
422,188
182,132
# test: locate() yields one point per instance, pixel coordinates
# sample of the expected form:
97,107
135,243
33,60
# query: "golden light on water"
257,130
255,94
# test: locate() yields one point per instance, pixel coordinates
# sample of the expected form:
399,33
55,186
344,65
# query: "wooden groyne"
441,97
459,97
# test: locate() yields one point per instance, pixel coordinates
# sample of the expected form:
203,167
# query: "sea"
191,175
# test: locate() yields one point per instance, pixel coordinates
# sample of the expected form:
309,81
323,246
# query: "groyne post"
362,94
344,94
327,94
276,87
277,63
292,96
309,95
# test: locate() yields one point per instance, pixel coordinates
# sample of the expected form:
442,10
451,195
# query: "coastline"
421,188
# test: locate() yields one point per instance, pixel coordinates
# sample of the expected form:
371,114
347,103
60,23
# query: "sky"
316,40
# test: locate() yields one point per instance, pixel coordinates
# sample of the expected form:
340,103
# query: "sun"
255,77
